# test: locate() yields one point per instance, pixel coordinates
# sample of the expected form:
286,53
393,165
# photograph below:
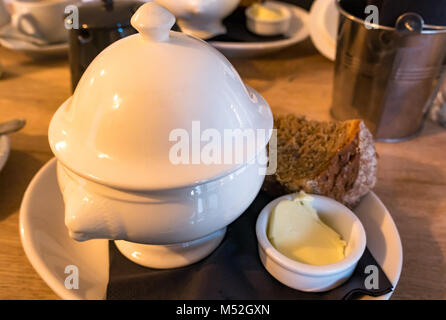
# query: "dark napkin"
232,271
238,32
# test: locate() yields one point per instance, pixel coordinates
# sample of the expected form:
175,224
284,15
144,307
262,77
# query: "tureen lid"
147,107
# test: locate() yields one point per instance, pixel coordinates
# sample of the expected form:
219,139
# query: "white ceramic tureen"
201,18
124,167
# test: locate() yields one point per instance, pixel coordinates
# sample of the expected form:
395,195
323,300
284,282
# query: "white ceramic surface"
50,249
43,19
201,18
176,226
4,150
305,277
171,256
383,239
114,146
33,50
121,135
268,27
323,24
156,217
298,31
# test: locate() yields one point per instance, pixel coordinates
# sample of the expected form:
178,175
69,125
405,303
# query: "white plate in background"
323,25
33,50
298,32
50,249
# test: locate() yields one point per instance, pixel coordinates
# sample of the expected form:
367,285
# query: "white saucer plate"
50,250
298,32
323,25
33,50
4,150
48,246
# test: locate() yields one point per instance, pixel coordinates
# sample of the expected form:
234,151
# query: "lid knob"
153,22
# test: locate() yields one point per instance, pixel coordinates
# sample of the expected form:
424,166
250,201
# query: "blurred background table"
411,183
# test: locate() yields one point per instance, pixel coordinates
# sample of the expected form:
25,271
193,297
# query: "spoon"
11,126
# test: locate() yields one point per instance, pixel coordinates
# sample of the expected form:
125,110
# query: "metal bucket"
386,75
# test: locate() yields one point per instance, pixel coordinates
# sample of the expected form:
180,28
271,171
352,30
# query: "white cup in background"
43,19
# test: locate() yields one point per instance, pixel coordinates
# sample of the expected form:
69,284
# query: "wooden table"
412,175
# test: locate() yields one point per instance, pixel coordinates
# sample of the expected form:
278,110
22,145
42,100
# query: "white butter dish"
268,27
312,278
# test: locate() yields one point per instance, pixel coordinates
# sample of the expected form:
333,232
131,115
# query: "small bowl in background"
266,27
306,277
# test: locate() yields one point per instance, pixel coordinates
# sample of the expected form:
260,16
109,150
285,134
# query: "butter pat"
296,231
266,13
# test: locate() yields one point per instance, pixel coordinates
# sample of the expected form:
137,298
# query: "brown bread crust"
368,163
348,175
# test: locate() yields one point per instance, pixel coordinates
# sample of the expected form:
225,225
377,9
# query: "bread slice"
336,159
